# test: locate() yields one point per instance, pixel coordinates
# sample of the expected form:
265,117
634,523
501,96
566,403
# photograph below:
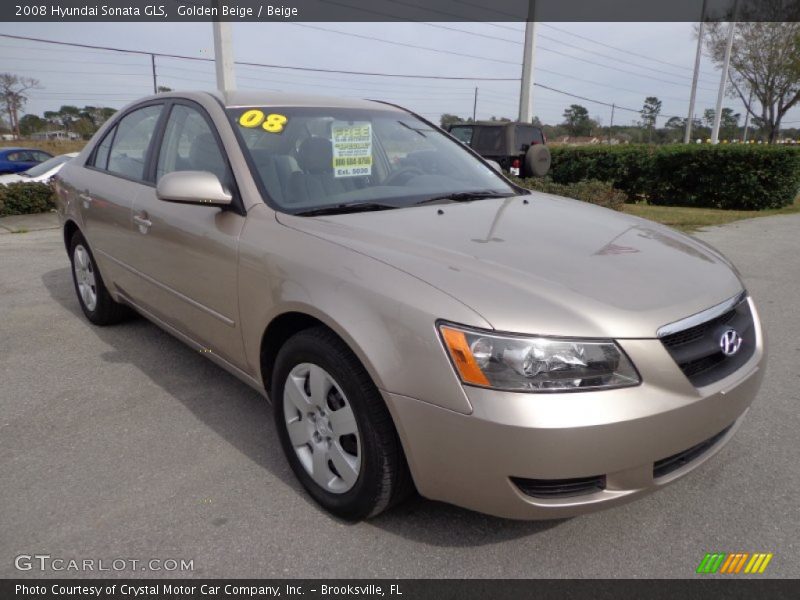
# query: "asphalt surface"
123,443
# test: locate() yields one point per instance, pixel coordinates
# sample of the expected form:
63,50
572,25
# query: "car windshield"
310,159
45,166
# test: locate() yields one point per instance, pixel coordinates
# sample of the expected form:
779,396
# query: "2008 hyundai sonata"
417,320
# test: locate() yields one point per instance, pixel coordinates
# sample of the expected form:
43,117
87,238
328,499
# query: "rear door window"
101,154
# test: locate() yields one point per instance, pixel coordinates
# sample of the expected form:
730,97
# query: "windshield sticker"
352,148
273,123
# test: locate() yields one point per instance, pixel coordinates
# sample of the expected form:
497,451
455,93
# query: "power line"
617,49
29,71
310,69
405,45
263,65
495,11
405,18
617,106
71,61
597,64
540,47
383,14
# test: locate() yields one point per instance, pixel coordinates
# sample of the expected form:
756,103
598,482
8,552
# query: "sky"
620,63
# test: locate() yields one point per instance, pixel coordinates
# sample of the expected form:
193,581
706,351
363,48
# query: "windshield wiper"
338,209
465,197
419,131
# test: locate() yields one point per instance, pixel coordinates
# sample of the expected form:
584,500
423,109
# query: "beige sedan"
418,321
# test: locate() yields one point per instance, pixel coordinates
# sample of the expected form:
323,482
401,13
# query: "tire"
537,161
352,475
97,304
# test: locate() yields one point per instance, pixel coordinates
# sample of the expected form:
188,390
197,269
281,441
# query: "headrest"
315,155
205,156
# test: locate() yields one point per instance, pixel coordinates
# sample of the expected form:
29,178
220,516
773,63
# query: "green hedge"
719,176
593,191
25,198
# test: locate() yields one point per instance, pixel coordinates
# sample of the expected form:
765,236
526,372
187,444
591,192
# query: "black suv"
505,142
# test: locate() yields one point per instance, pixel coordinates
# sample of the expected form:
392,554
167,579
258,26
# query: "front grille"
697,350
560,488
692,334
665,466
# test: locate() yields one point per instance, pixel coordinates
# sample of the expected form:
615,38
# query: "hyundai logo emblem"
730,342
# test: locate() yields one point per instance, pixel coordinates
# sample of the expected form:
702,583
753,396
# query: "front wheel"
335,428
96,302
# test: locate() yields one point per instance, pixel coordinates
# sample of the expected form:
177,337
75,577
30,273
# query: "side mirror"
495,165
193,187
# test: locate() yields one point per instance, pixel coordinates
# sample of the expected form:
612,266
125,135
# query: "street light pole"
155,80
698,55
529,51
747,117
223,56
611,125
723,80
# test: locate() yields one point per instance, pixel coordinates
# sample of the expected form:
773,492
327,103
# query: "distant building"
55,135
573,140
7,137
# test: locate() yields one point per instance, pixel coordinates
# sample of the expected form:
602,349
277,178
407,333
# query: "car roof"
258,98
15,149
236,99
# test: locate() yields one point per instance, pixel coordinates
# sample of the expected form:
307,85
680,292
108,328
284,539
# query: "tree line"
578,123
82,121
764,75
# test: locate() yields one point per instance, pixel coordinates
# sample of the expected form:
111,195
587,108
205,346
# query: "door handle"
86,198
143,222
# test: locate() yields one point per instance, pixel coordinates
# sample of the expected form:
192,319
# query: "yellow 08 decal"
273,123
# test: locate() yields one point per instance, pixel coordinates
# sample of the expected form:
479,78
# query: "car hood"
542,264
12,178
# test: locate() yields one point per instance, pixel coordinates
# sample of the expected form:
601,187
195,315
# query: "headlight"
536,364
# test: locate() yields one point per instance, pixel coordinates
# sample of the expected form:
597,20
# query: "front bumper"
470,460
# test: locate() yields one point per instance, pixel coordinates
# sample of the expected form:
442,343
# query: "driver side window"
189,144
131,142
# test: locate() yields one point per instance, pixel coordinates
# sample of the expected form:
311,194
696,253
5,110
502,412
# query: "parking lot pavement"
123,443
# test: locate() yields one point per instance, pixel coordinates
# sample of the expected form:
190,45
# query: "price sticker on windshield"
352,148
273,123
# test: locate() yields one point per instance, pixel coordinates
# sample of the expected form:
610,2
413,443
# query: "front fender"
386,316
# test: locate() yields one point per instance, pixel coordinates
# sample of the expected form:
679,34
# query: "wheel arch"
70,227
293,320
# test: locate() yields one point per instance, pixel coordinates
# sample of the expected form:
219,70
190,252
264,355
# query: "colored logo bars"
734,563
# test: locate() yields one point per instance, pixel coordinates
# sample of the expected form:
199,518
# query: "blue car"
14,160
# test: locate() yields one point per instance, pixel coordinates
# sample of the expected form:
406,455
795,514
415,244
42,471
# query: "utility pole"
747,117
475,105
723,80
611,125
529,51
155,81
223,56
698,54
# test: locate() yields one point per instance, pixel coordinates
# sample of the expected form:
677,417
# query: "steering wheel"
406,172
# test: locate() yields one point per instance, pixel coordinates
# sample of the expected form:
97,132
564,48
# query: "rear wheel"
97,304
335,428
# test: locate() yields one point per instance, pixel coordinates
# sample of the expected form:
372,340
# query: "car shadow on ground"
243,418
